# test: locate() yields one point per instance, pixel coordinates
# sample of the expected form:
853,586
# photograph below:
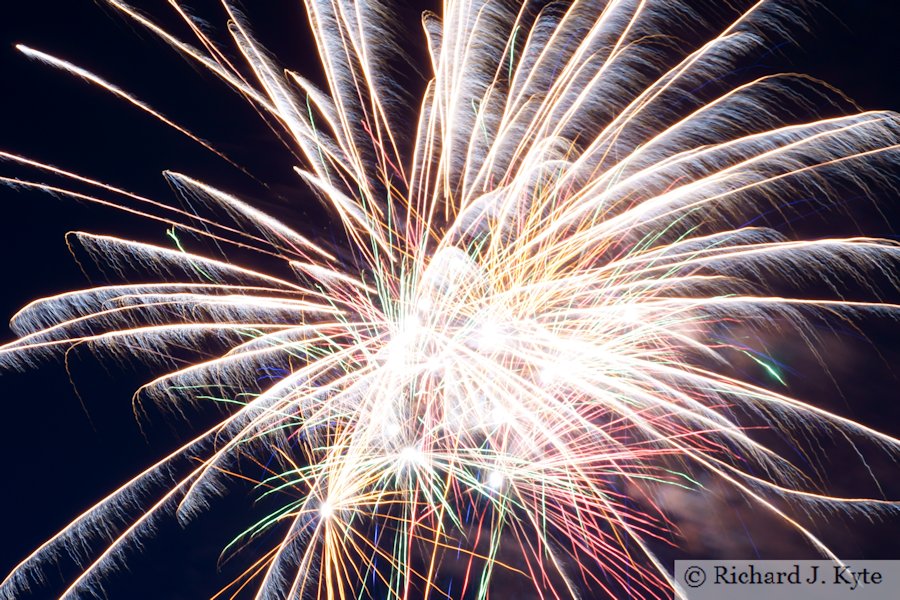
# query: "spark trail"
524,321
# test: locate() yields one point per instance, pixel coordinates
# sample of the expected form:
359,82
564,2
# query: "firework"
527,327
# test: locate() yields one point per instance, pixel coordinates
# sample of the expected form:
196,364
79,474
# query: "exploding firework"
549,275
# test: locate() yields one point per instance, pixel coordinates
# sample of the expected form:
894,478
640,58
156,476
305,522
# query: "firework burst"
528,325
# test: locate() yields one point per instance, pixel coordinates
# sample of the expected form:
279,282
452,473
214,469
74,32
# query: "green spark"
769,368
171,233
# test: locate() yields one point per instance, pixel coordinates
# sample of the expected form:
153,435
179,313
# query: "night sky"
57,460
